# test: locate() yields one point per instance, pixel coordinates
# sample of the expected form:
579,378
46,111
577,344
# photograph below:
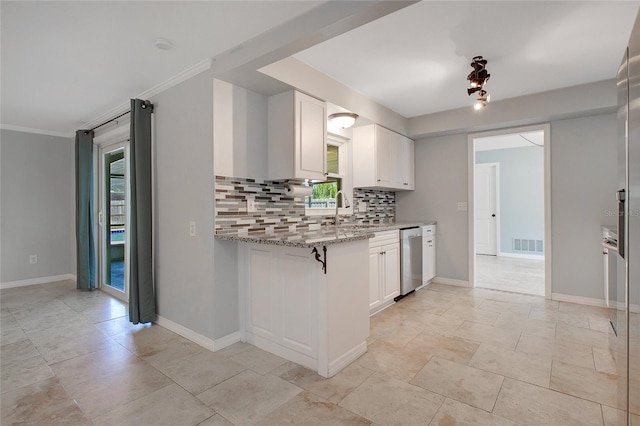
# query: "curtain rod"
146,104
108,121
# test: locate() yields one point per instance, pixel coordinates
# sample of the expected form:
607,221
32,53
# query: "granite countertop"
323,236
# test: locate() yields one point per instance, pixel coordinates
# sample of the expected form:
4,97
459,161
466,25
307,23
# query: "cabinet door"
429,263
386,158
310,137
407,164
297,301
391,281
375,284
262,293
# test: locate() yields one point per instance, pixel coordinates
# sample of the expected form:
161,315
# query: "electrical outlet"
462,206
192,228
33,259
251,206
362,206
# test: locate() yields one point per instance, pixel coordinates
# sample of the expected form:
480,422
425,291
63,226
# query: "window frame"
344,167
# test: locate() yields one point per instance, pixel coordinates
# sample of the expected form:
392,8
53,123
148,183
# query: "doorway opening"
113,215
509,218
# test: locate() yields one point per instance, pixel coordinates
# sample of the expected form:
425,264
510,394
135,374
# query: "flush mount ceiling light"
343,120
477,79
163,43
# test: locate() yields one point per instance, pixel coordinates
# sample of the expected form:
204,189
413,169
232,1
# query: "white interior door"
486,209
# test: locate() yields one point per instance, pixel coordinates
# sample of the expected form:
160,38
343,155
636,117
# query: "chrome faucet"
346,205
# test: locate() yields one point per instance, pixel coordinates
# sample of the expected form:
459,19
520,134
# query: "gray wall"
521,193
36,189
441,181
186,290
583,184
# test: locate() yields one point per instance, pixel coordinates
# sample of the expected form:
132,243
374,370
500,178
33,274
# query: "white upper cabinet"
382,159
297,136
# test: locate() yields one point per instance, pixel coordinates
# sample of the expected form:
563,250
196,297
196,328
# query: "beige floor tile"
558,350
604,360
105,380
42,403
258,360
583,336
334,389
248,397
505,307
394,361
11,334
435,286
469,385
167,352
446,347
385,401
145,341
528,404
600,324
576,308
613,416
397,333
201,371
534,369
56,345
20,350
439,325
309,409
120,325
153,409
529,326
472,314
21,373
456,413
502,337
216,420
234,349
574,319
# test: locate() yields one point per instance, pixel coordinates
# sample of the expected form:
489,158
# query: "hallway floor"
510,274
447,355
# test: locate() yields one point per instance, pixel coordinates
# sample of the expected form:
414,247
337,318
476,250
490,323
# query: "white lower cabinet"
428,253
384,270
291,308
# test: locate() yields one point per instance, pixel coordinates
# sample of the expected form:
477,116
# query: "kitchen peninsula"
304,296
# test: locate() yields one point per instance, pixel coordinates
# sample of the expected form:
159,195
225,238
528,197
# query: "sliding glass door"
113,219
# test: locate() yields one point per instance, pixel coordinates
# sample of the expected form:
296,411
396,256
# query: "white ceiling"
66,63
416,60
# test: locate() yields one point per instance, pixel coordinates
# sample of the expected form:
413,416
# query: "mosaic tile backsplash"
279,212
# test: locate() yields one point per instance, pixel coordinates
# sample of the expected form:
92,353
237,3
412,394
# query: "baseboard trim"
589,301
522,255
347,358
450,281
205,342
35,281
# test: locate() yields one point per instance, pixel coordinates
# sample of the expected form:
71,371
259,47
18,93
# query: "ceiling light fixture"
477,79
163,43
343,120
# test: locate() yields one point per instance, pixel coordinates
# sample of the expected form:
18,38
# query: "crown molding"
155,90
36,131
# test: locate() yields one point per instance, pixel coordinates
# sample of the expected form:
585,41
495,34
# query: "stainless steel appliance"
625,344
610,262
410,259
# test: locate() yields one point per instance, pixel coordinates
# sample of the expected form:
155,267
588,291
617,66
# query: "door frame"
496,188
546,128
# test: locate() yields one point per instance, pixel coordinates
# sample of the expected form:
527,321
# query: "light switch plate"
462,206
362,206
251,206
192,228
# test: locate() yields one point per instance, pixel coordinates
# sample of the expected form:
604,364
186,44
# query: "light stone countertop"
321,237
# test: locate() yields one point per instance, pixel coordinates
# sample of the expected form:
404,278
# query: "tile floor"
510,274
445,356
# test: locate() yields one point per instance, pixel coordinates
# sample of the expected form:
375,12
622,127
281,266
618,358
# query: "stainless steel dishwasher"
410,260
